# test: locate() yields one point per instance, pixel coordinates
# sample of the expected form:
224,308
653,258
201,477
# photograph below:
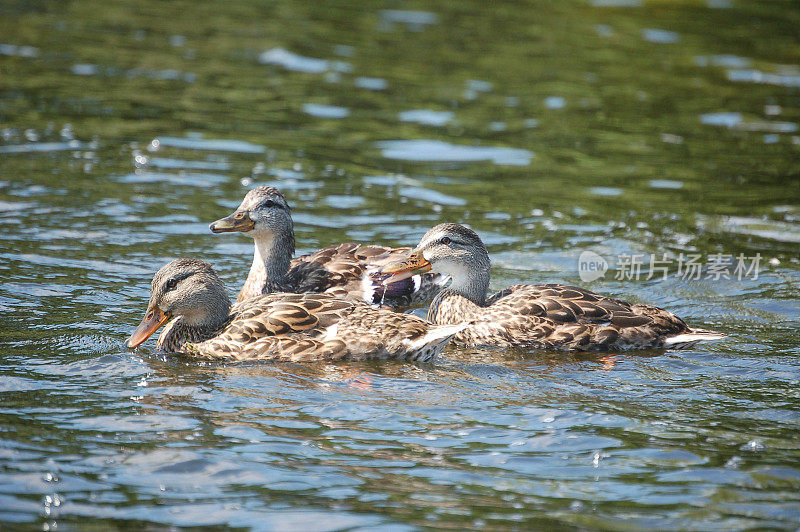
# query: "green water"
552,128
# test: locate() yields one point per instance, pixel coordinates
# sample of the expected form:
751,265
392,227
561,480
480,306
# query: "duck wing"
381,333
306,327
269,348
567,304
571,318
258,321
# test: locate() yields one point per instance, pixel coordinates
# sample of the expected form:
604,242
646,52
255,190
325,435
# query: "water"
618,127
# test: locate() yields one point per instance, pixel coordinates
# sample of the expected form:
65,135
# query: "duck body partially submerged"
547,316
189,298
563,317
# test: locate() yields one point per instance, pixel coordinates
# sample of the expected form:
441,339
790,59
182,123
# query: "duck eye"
268,204
171,284
446,241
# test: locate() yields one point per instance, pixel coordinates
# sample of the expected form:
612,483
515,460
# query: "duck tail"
691,338
434,341
439,334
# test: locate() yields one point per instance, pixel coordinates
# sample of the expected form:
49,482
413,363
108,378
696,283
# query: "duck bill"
154,319
238,221
413,265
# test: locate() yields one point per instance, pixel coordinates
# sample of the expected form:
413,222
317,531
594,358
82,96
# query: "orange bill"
154,319
413,265
238,221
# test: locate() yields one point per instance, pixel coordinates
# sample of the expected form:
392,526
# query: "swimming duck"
347,270
188,296
544,316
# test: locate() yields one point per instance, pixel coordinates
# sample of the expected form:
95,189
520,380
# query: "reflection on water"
436,150
326,111
611,126
426,117
290,61
42,147
195,142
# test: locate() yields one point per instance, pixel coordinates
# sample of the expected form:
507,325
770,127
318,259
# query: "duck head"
185,288
450,249
263,213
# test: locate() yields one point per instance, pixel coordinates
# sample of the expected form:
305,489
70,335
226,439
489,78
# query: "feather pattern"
305,327
554,316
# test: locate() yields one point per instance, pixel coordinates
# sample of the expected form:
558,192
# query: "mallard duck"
188,296
544,316
347,270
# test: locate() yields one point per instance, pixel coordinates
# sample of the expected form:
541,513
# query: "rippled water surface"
553,128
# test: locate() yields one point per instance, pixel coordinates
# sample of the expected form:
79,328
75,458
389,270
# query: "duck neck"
191,328
471,284
273,253
271,259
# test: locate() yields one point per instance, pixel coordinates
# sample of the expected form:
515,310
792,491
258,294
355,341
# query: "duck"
189,299
537,316
348,270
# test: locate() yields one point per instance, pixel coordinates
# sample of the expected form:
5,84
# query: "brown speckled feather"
554,316
303,327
